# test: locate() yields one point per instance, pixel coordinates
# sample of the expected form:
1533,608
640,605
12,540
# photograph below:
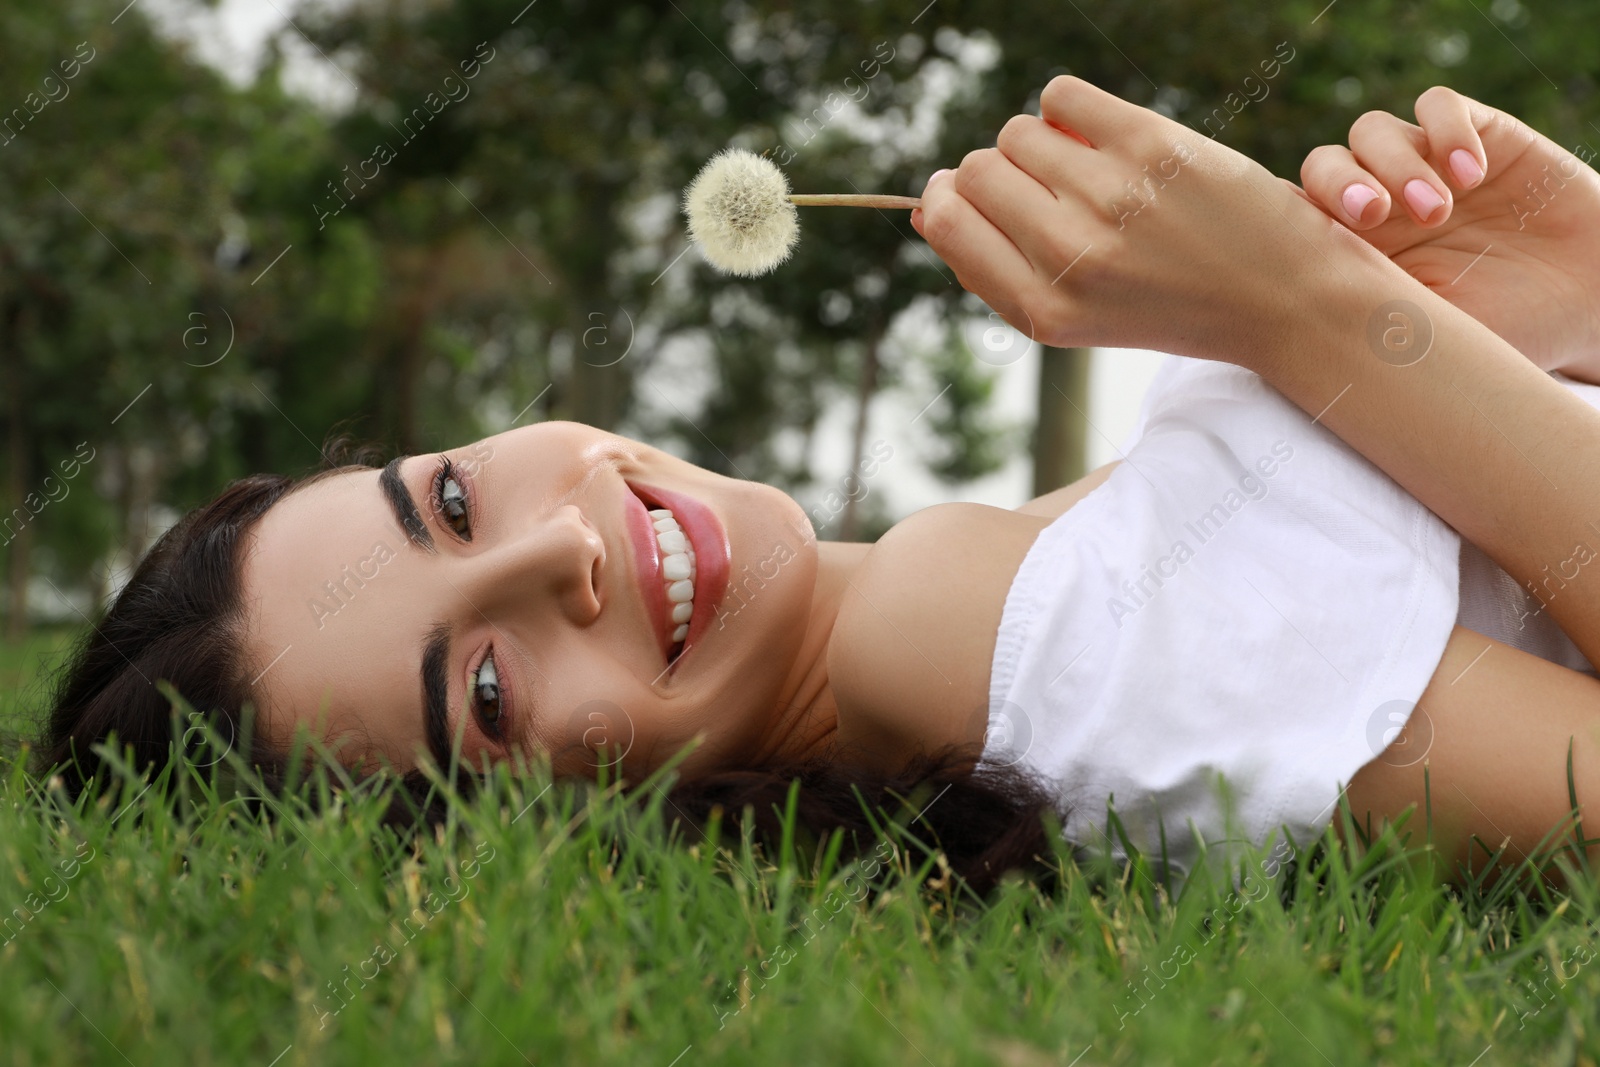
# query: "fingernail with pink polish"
1357,195
1465,168
1422,197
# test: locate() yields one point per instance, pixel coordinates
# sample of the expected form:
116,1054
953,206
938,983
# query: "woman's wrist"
1338,304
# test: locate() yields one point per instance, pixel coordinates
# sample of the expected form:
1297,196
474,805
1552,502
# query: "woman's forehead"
327,604
319,527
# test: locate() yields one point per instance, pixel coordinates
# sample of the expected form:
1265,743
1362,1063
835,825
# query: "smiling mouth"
682,558
677,575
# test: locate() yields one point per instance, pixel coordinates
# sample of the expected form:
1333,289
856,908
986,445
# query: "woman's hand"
1486,212
1226,262
1138,233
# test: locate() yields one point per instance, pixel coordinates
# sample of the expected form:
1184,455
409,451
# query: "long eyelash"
445,470
495,731
440,473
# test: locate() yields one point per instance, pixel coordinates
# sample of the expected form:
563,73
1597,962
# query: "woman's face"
527,596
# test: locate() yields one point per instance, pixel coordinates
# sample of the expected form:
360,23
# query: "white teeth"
677,569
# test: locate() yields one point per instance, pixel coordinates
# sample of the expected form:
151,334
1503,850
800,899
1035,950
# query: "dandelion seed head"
740,214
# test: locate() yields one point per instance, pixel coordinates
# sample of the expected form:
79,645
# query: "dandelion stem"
853,200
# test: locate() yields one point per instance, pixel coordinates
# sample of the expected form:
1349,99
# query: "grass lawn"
561,926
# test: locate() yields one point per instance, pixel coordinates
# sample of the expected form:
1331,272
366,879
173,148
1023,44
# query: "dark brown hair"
179,621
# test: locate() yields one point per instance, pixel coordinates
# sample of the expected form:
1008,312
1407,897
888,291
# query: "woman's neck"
806,718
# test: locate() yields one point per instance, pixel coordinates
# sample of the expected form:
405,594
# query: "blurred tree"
108,129
198,280
580,173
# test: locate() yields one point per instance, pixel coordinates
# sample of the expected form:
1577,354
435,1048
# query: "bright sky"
231,37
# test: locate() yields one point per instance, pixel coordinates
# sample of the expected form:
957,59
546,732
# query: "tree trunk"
866,389
596,386
411,346
125,556
599,386
408,369
1060,443
17,582
18,469
143,478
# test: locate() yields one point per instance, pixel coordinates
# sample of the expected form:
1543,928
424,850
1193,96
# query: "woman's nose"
555,558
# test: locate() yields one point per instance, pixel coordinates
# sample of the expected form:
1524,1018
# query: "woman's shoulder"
909,657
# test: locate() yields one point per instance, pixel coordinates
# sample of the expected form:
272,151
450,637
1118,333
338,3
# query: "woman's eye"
451,500
486,695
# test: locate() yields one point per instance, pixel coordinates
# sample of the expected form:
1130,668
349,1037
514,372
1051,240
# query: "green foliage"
157,215
975,444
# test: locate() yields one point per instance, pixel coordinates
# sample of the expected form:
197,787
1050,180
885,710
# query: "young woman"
561,590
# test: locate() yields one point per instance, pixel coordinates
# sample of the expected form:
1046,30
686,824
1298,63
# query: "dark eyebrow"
403,506
436,694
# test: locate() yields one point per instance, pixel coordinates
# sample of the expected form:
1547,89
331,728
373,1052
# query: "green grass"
24,673
581,935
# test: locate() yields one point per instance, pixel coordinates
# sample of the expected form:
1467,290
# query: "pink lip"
647,565
713,560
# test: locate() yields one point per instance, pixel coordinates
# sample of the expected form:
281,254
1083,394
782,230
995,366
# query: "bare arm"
1137,232
1473,430
1056,502
1484,755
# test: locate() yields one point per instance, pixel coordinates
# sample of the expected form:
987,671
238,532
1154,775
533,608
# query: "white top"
1245,596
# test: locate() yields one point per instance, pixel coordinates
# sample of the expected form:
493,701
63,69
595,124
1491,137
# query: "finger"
1453,142
1074,134
1301,193
1049,154
1343,188
1089,111
1044,226
1391,149
916,212
985,260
